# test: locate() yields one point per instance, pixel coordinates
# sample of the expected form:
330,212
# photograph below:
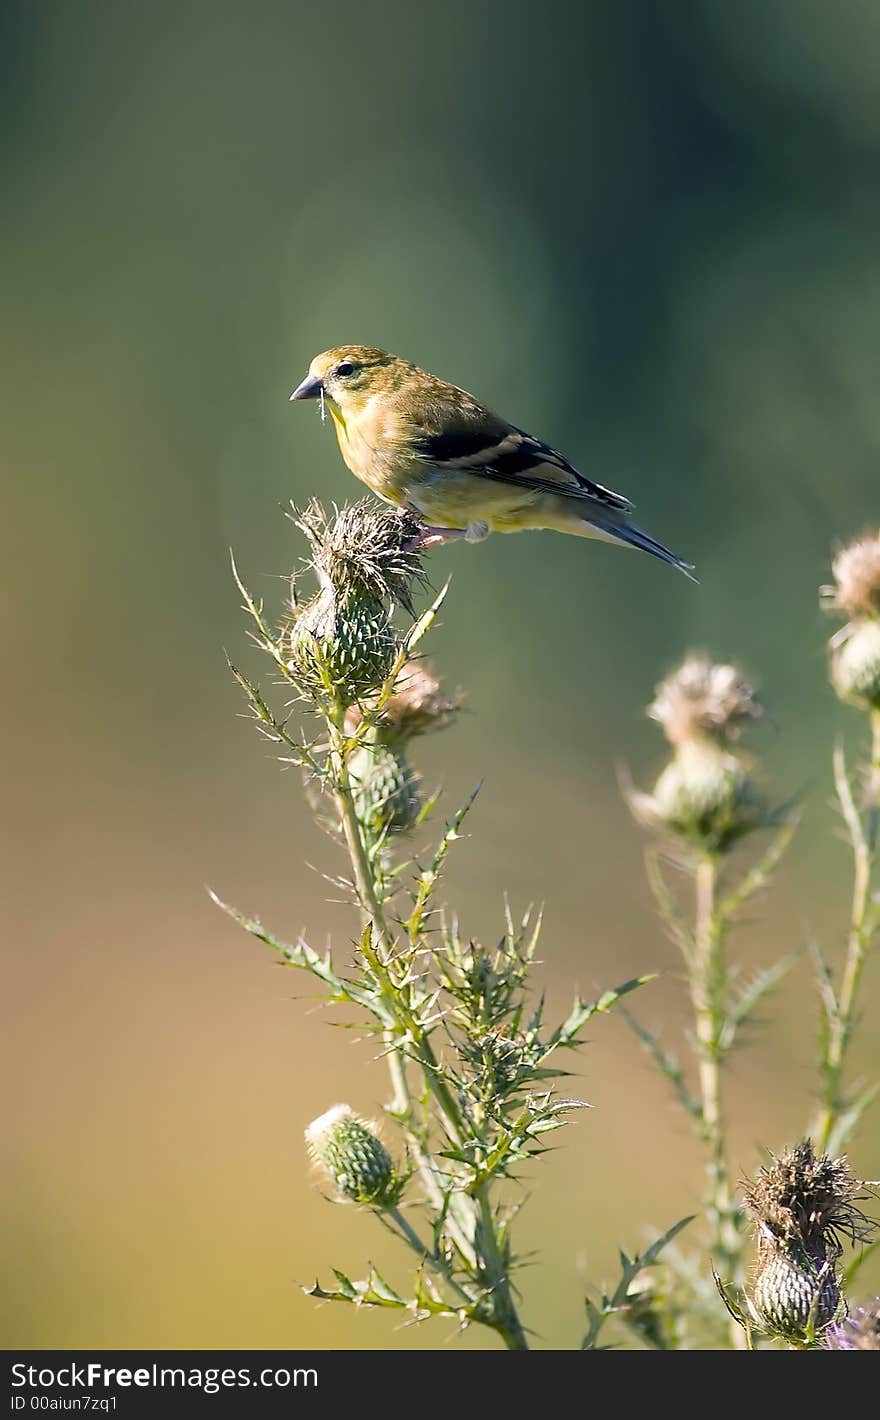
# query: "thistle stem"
873,786
707,978
424,1253
365,884
863,837
490,1260
373,913
496,1276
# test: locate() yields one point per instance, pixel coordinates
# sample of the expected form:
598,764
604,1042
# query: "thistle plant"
472,1062
707,800
473,1065
802,1206
855,675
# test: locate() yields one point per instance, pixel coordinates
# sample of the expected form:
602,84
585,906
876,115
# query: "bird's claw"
435,537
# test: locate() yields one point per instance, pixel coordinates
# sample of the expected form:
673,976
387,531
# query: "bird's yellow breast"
338,419
347,447
369,451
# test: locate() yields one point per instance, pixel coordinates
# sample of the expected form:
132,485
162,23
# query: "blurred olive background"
649,233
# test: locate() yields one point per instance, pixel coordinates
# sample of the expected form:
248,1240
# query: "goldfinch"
464,472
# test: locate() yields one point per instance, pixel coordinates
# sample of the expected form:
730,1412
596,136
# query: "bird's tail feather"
625,531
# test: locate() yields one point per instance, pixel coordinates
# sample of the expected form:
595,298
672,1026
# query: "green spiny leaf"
583,1011
742,1007
849,1118
758,877
305,958
667,1064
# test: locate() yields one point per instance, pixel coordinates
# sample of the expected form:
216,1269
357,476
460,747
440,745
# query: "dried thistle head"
702,699
809,1196
365,549
342,643
802,1205
352,1158
860,1331
856,568
416,706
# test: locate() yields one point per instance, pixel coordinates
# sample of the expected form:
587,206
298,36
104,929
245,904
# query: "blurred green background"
650,234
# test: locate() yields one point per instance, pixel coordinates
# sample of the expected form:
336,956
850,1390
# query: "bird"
464,472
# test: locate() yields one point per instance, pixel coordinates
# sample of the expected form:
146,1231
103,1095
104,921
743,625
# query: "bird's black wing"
509,455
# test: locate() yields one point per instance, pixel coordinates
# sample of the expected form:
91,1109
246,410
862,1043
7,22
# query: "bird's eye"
346,368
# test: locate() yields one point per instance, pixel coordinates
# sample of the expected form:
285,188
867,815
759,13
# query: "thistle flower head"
707,795
352,1158
802,1205
856,568
365,549
860,1331
702,699
416,706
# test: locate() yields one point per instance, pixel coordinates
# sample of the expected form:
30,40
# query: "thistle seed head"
352,1158
805,1196
856,568
365,548
703,700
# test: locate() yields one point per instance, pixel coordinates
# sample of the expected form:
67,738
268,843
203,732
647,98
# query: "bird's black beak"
310,388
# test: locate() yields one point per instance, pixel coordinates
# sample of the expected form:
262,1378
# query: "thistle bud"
802,1205
858,1332
352,1158
386,789
342,645
794,1293
705,796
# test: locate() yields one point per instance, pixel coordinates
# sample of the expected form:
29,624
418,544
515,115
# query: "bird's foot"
435,537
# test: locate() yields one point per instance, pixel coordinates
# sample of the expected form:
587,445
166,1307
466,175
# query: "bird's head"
347,376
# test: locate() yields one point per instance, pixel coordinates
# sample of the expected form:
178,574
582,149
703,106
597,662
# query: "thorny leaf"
620,1298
